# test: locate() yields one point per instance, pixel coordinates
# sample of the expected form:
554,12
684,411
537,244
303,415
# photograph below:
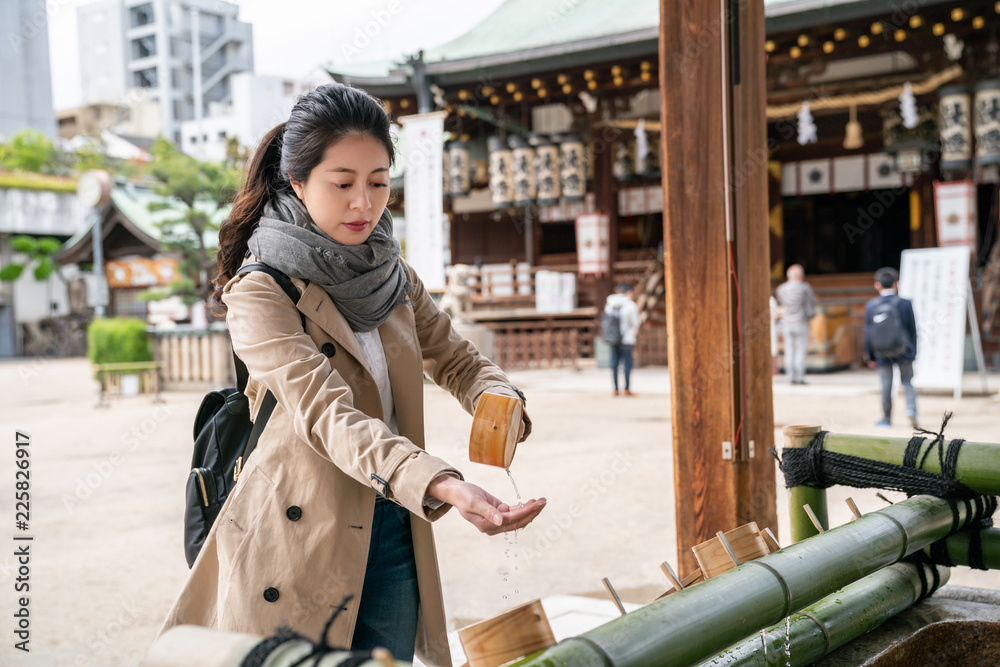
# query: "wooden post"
717,275
606,201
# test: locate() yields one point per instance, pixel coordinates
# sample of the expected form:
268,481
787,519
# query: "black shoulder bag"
224,438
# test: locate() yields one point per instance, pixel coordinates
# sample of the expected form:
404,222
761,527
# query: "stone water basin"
956,627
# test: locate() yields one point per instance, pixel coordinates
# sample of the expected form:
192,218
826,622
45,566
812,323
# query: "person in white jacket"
622,305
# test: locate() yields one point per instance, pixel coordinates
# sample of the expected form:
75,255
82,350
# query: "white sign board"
555,292
422,154
936,280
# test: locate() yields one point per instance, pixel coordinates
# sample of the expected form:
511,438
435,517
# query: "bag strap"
243,375
286,284
266,408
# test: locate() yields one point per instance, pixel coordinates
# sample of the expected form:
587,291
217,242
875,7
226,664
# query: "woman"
339,494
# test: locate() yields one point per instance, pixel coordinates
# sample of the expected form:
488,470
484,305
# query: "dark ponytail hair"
319,119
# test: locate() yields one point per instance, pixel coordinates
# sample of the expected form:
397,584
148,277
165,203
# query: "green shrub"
118,340
23,180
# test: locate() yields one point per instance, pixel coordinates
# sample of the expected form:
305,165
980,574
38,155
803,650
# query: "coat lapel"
316,304
402,356
398,335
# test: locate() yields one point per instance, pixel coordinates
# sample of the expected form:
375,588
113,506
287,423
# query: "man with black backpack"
891,340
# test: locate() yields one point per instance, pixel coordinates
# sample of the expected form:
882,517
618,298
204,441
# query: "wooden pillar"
606,201
925,235
717,270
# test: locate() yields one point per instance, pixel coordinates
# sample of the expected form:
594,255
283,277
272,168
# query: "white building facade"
259,103
33,213
131,49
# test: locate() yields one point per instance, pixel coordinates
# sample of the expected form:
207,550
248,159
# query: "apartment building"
181,53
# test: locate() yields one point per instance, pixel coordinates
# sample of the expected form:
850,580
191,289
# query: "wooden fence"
194,358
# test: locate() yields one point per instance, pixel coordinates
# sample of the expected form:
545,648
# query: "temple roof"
524,36
129,227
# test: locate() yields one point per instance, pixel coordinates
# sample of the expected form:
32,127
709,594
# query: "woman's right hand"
481,508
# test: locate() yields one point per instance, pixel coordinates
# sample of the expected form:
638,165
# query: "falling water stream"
516,492
511,550
788,641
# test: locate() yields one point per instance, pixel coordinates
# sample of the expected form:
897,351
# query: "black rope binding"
816,467
976,544
978,518
919,559
260,653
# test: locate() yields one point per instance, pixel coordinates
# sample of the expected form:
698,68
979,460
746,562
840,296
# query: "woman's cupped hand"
481,508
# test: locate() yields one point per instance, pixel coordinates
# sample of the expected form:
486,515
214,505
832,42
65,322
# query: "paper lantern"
955,125
458,168
988,122
546,171
572,168
501,173
523,156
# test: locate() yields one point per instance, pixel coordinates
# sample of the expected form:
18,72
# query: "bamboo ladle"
495,428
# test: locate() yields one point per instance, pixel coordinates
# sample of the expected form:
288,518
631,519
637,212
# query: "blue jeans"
906,378
620,354
387,615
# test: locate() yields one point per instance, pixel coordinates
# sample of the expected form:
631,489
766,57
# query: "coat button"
328,349
294,513
271,594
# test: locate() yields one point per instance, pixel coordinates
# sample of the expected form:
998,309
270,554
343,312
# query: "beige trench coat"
320,453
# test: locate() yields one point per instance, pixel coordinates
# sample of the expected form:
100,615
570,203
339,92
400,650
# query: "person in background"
798,305
619,328
891,340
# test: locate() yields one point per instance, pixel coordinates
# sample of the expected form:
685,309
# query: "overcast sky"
291,37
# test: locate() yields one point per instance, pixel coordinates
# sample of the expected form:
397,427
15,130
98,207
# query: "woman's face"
347,192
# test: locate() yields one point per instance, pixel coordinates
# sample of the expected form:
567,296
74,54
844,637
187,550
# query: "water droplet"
516,591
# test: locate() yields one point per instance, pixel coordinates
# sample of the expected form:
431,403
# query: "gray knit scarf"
366,281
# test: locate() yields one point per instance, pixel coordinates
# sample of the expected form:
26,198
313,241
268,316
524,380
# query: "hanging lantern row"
957,108
881,29
543,88
537,170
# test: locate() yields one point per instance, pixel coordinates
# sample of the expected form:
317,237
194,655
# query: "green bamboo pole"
957,546
799,496
833,621
705,618
978,465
